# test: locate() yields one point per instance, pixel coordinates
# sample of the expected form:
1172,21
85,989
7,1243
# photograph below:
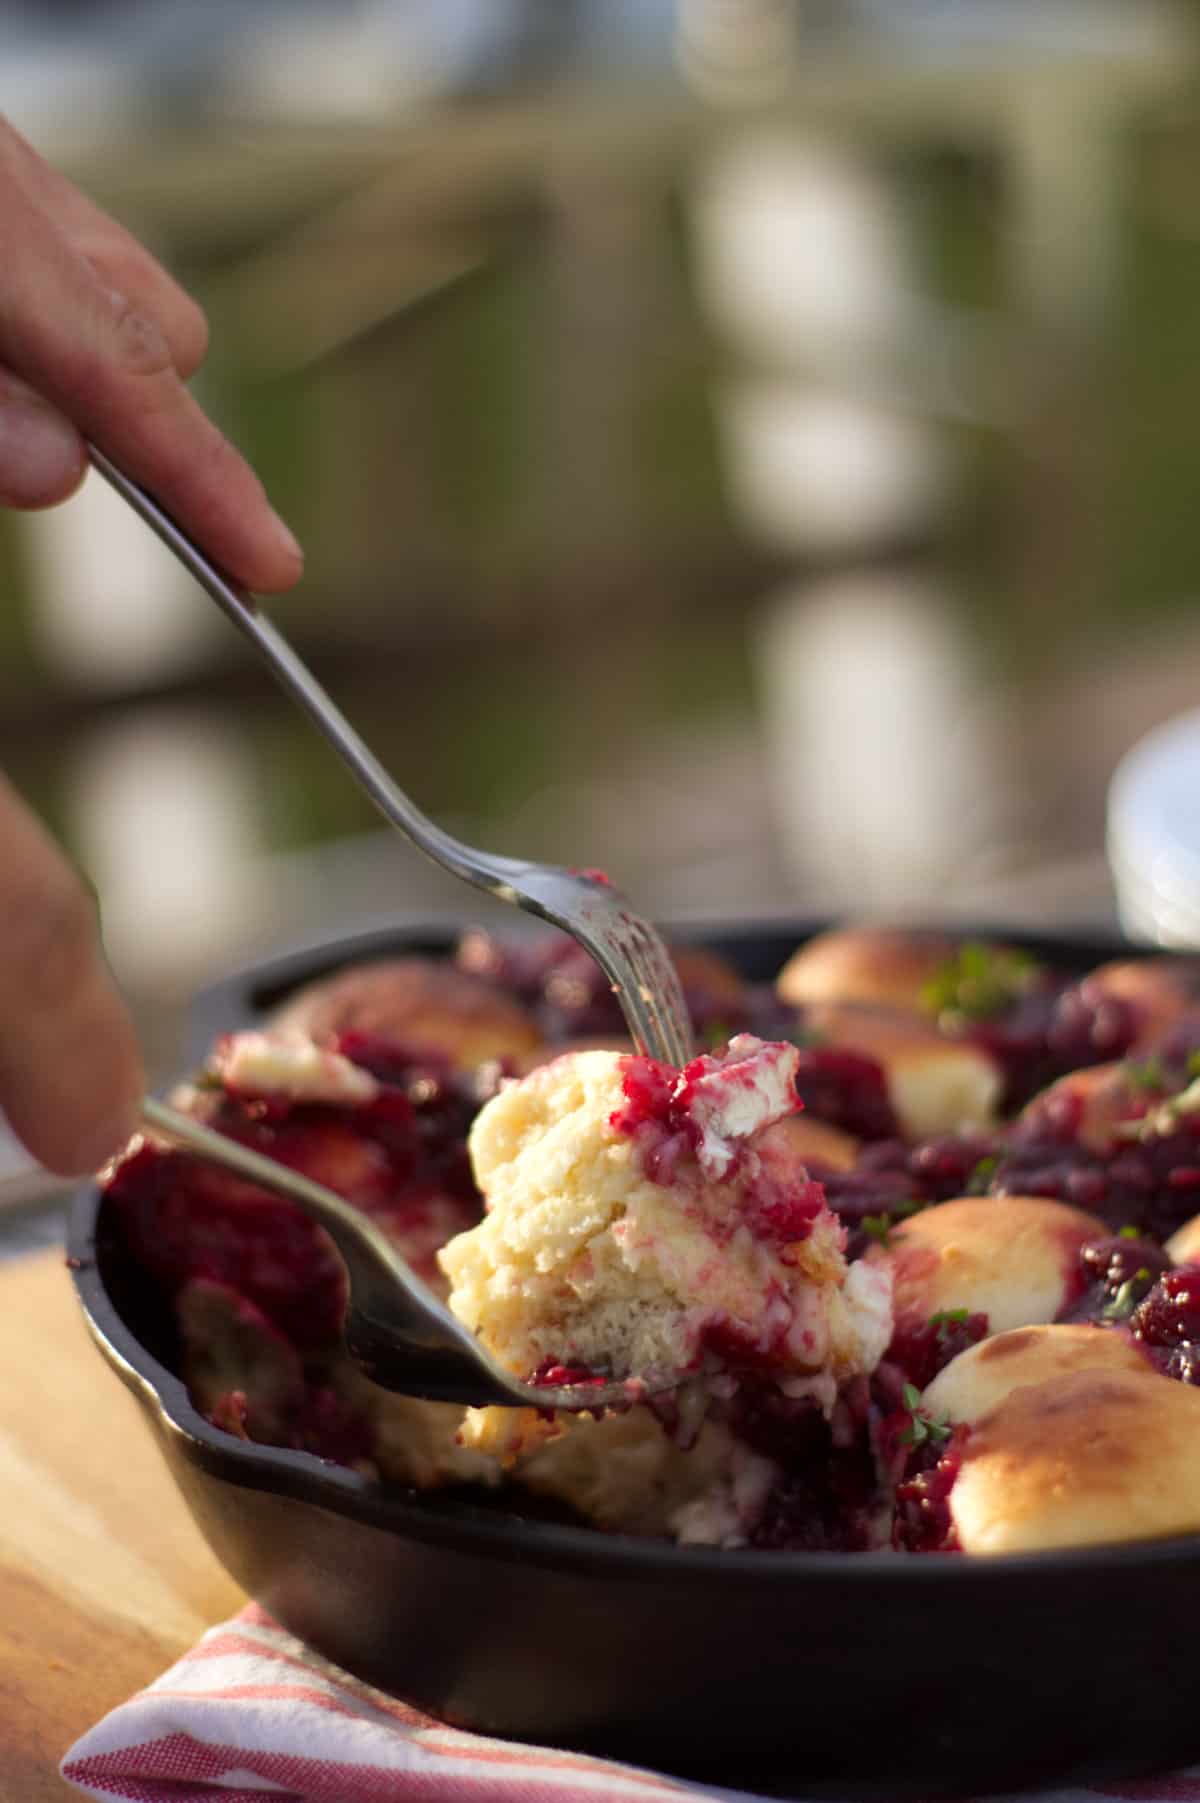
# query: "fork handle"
240,607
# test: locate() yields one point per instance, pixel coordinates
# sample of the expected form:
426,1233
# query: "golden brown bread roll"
1012,1258
1086,1459
935,1084
424,1004
709,973
883,966
1104,1098
1161,990
814,1142
982,1376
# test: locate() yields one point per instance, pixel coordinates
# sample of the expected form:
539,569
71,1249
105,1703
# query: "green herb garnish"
921,1427
948,1317
1129,1233
1162,1118
1150,1073
877,1227
1127,1298
981,1175
718,1033
978,982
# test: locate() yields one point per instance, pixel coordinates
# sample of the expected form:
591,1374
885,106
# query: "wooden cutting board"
104,1580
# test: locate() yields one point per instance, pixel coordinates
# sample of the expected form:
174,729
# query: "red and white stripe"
252,1714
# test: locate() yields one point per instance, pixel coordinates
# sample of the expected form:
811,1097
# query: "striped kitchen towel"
252,1713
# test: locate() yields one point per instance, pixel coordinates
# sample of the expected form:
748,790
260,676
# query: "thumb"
42,458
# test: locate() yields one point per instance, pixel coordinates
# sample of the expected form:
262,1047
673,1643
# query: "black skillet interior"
802,1674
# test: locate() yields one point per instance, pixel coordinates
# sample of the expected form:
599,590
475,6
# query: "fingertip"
91,1146
274,561
42,456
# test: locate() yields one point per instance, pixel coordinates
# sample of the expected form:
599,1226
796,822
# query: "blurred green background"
748,446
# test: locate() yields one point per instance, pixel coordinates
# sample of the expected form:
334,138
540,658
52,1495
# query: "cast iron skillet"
797,1673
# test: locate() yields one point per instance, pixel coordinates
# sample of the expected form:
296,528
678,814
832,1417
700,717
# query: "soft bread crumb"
583,1259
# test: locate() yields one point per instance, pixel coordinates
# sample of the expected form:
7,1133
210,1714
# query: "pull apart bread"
642,1224
908,1258
1068,1438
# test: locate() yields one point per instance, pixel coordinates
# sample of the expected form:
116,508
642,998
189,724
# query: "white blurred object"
800,255
1154,834
322,67
112,607
361,61
882,752
67,98
163,812
811,471
738,52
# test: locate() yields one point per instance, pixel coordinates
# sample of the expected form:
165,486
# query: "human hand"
96,341
70,1071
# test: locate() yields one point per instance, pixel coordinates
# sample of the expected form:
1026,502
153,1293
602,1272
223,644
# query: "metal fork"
396,1330
628,950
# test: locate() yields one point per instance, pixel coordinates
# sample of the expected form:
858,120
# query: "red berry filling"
552,1375
923,1523
1151,1182
401,1158
778,1202
921,1352
1167,1322
847,1089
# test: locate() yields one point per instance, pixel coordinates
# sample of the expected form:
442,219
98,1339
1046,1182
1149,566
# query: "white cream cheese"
749,1087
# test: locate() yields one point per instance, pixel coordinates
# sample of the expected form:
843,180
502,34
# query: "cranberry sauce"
1038,1023
1167,1322
401,1158
1116,1274
826,1497
428,1139
250,1381
184,1220
406,1147
551,1374
922,1521
324,1424
1132,1285
1142,1177
847,1089
921,1352
1050,1030
777,1201
892,1180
